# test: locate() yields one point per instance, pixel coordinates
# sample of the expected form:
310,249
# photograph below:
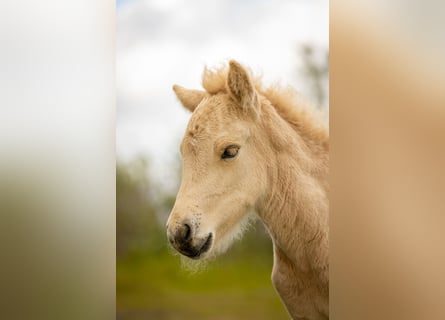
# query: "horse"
249,148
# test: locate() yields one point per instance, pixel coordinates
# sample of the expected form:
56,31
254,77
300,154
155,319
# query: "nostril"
183,234
187,232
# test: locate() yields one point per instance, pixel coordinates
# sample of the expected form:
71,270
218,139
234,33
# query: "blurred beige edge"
387,99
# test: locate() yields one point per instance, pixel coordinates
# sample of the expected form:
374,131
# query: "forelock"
214,79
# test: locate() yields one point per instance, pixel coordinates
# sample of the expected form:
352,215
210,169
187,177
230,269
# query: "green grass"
234,286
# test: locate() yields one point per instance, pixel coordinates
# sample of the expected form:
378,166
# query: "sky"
166,42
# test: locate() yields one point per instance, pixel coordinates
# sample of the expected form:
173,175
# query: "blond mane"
290,105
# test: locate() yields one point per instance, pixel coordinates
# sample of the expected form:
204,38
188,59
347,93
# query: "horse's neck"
295,209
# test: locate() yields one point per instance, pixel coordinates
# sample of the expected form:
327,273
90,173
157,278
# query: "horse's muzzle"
184,242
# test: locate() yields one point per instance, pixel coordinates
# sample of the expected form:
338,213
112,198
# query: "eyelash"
228,153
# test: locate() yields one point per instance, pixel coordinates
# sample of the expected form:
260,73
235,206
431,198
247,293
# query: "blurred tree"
315,69
137,229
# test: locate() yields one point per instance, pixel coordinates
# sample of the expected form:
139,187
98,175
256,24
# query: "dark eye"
230,152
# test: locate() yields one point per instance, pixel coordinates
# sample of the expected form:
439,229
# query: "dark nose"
184,239
182,235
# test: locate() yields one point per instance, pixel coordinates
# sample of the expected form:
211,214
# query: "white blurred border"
57,155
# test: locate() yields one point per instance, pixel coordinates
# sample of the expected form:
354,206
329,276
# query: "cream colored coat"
247,147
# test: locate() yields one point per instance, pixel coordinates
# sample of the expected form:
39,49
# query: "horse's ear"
240,85
189,98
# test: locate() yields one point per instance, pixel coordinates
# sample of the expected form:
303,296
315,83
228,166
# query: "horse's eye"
230,152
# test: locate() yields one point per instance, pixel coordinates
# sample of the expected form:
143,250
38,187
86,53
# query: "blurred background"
160,43
57,154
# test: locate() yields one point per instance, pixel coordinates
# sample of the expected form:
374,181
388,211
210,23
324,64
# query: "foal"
247,147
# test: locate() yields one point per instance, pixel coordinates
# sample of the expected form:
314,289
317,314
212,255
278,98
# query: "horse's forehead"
210,115
203,116
210,119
